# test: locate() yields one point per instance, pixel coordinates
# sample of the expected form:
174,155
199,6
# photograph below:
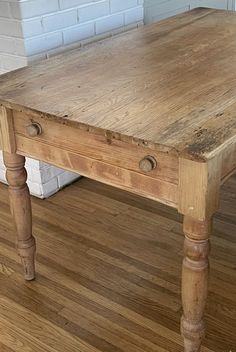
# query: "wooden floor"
109,266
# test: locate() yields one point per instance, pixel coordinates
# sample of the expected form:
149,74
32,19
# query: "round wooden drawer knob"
148,163
34,129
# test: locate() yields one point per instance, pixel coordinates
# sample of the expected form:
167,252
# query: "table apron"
98,146
157,189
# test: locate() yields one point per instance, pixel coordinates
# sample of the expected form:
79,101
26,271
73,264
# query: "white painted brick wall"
78,33
5,9
74,21
32,8
93,11
35,29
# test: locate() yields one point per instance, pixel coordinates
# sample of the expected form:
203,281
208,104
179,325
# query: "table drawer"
99,147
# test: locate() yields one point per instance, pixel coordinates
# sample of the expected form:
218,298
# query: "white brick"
118,5
10,27
50,172
36,164
34,175
50,187
59,20
63,48
32,28
19,46
35,189
1,158
43,43
43,164
134,15
32,163
66,4
12,62
97,37
126,28
66,178
3,176
158,11
231,5
7,45
109,23
27,9
92,11
5,9
79,32
43,175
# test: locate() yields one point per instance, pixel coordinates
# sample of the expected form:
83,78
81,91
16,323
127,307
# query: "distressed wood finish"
170,85
152,188
95,146
7,137
160,123
199,185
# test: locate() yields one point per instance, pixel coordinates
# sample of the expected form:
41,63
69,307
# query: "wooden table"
152,111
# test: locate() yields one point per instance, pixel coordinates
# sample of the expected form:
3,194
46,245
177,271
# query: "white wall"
155,10
34,29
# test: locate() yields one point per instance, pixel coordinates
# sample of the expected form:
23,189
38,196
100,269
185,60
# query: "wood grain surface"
169,86
109,272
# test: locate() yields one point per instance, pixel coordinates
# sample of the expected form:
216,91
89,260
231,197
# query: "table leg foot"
20,204
194,282
192,346
26,250
193,334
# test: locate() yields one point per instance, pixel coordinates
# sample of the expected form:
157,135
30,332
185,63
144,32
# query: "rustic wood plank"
175,93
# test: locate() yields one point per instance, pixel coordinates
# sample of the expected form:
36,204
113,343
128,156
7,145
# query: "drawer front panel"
99,147
160,190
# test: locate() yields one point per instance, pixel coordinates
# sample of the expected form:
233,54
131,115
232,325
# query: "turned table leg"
194,281
21,210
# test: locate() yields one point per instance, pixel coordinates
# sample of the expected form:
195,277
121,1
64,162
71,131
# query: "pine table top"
170,86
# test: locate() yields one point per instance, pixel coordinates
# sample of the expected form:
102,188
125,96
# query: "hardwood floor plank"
41,328
108,275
